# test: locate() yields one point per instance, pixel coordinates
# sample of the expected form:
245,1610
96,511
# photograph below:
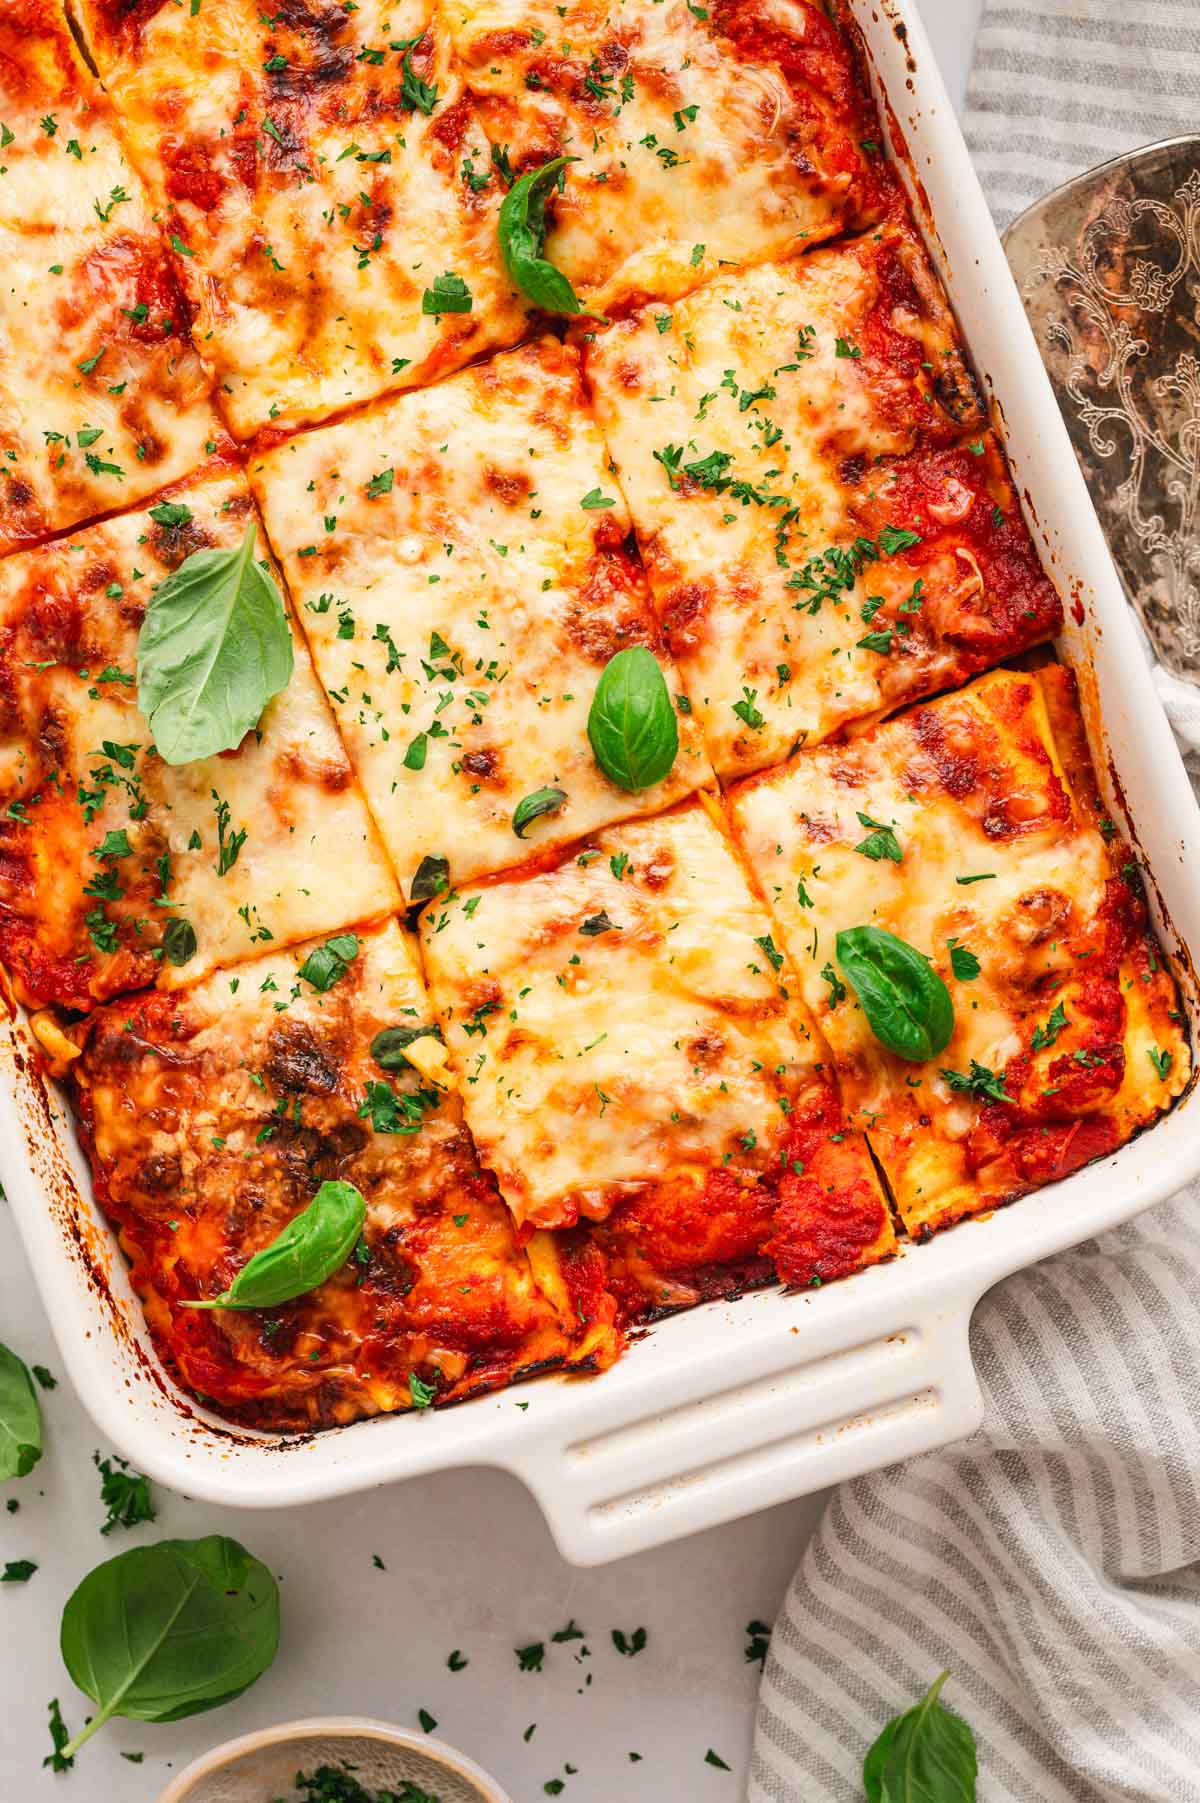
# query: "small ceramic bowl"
260,1767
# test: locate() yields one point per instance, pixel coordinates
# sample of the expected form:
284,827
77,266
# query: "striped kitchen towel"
1058,86
1051,1561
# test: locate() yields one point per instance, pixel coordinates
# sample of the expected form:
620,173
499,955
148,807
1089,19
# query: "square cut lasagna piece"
463,565
102,843
211,1119
307,162
630,1052
102,397
971,829
700,136
828,528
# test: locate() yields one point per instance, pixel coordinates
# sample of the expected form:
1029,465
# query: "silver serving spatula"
1109,270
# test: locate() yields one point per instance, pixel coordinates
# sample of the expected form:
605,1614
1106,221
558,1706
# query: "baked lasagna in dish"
535,789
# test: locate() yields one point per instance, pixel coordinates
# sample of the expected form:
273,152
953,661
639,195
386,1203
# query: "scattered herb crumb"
530,1657
711,1758
124,1493
630,1644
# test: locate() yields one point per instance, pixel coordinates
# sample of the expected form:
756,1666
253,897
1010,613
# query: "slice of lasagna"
212,1117
630,1052
700,136
117,869
102,397
828,527
463,565
971,829
309,163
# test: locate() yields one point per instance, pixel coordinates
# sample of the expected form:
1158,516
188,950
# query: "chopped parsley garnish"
881,843
978,1081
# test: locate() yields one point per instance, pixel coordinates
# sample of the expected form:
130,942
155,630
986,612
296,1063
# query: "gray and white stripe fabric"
1058,86
1052,1561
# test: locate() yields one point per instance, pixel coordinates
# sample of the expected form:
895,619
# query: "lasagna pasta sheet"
102,396
211,1117
463,564
102,842
1067,1032
630,1049
828,526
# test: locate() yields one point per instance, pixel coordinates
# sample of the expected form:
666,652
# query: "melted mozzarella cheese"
749,425
216,1118
996,858
317,206
690,153
102,397
76,756
618,1020
458,561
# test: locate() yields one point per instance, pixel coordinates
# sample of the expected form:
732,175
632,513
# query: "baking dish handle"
732,1434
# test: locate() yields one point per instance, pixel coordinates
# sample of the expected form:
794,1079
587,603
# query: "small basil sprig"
311,1248
631,724
522,230
542,801
926,1755
169,1630
213,648
20,1418
908,1007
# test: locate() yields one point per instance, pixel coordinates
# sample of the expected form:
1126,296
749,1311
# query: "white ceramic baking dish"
733,1406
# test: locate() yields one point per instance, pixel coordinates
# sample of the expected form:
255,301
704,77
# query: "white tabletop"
469,1565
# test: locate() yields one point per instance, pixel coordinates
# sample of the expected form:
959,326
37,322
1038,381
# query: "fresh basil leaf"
926,1755
20,1418
389,1048
310,1249
179,941
631,724
908,1007
168,1630
542,801
432,877
327,964
213,649
522,230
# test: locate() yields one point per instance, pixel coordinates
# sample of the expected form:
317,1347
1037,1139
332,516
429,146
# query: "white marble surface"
469,1565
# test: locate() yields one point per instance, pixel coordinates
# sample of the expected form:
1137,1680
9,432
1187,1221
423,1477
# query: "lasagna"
699,137
211,1116
464,567
630,1050
971,829
103,398
827,524
535,790
308,165
102,843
